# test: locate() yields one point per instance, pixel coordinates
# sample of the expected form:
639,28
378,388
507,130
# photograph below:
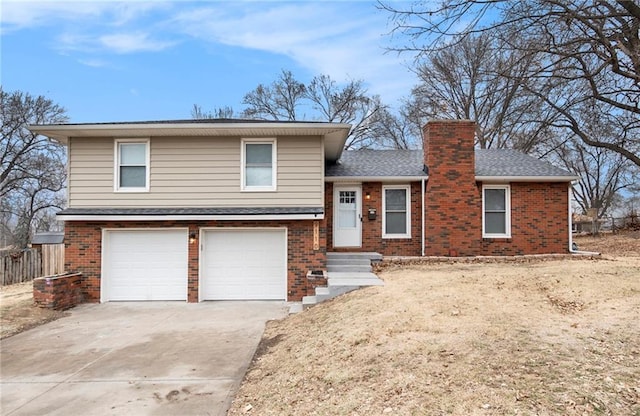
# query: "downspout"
422,185
570,196
571,250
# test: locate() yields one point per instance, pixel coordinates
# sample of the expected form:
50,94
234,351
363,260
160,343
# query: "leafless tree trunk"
33,174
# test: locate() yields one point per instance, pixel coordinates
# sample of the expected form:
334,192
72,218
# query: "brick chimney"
453,217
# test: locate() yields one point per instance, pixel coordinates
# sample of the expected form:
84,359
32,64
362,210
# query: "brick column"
453,217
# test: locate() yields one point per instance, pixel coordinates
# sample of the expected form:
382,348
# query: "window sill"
131,190
258,190
496,237
396,237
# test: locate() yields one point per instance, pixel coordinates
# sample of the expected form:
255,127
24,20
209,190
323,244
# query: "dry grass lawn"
532,338
17,311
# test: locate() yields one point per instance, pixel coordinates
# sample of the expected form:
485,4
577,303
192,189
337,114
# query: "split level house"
243,209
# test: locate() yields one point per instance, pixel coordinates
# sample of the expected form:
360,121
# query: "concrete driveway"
134,358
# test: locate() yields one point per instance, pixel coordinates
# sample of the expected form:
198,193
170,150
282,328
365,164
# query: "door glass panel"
347,209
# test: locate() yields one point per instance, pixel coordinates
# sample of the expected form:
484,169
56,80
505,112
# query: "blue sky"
120,61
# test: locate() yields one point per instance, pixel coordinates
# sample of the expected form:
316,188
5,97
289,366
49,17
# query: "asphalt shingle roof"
489,162
371,163
504,162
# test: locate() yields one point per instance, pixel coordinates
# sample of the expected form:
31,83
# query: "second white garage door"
244,264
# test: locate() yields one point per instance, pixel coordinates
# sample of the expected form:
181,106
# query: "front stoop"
345,272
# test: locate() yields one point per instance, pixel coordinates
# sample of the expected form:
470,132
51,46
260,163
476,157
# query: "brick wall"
83,247
453,214
539,221
58,292
372,229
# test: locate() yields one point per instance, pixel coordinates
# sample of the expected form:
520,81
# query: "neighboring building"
47,238
585,224
243,209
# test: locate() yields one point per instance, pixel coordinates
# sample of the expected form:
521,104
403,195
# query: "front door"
347,217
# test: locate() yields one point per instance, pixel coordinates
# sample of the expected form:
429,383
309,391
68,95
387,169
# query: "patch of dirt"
548,337
17,311
622,244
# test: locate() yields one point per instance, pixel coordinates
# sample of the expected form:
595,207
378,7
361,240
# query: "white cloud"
329,38
132,42
31,13
94,62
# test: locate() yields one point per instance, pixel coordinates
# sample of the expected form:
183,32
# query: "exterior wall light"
192,237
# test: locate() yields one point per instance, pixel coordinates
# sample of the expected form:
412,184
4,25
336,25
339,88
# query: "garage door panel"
244,264
146,265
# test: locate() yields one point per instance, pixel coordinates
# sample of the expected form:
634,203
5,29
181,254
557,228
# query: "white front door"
347,216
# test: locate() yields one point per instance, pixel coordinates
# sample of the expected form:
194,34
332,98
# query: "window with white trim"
259,164
496,211
396,218
132,165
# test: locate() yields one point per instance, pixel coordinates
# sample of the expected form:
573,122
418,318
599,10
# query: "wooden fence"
24,266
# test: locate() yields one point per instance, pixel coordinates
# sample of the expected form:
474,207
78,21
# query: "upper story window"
132,165
496,211
259,164
396,219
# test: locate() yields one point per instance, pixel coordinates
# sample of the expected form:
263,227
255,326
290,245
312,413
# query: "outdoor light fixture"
192,237
367,196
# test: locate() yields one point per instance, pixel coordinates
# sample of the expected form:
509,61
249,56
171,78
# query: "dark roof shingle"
409,163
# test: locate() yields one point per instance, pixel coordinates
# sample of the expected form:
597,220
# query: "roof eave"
526,178
374,178
335,134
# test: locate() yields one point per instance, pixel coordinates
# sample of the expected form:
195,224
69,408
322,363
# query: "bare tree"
33,174
278,101
218,113
603,175
477,79
288,99
590,47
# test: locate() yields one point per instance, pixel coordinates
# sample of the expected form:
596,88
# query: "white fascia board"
189,217
374,178
505,179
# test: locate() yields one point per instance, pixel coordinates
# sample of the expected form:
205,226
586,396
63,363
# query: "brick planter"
58,292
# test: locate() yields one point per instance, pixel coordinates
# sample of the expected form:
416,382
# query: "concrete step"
351,261
355,282
367,255
349,268
295,307
308,301
349,275
333,291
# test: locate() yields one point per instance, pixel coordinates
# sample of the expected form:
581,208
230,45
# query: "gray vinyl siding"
195,172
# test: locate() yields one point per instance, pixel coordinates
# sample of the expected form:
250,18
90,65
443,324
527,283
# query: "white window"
259,164
132,165
496,211
396,218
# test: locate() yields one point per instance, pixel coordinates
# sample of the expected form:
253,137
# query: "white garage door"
244,264
145,265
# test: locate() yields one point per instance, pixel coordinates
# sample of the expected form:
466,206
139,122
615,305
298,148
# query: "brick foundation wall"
58,292
372,229
83,248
